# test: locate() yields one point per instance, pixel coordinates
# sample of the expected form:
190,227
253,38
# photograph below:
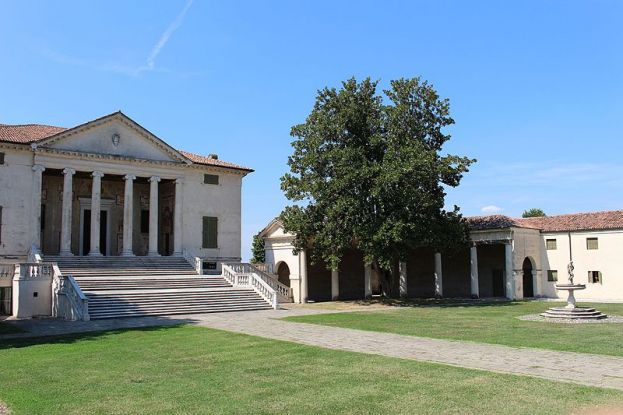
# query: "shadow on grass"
433,302
87,331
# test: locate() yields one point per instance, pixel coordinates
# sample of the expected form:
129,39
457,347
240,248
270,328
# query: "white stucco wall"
15,198
608,259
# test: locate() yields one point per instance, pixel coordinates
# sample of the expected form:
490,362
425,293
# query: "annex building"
105,219
507,257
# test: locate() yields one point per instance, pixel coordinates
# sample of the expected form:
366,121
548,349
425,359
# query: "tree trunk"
390,281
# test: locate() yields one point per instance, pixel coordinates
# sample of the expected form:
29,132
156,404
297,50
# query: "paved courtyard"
580,368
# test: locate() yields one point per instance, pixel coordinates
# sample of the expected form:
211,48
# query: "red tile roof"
27,133
30,133
590,221
210,161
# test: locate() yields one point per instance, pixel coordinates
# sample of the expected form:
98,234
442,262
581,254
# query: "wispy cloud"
151,59
491,210
131,70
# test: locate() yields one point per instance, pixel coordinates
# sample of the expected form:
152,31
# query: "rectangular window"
592,243
1,158
552,275
594,277
210,232
210,179
550,244
144,221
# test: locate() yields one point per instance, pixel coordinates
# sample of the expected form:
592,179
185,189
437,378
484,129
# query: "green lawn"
193,370
486,323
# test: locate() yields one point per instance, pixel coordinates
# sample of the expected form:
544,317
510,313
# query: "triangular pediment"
274,230
114,135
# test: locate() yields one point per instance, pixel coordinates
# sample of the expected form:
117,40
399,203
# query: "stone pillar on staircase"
153,216
37,180
66,214
96,199
177,218
128,215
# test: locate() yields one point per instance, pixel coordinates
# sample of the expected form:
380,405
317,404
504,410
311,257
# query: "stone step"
170,294
207,309
168,305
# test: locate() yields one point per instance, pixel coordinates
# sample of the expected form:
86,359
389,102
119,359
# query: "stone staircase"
138,286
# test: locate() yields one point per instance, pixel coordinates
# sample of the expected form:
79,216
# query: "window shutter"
210,232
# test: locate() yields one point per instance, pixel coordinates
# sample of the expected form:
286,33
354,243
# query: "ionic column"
303,275
66,212
509,273
128,215
402,270
438,276
37,180
153,216
96,198
367,281
335,284
177,219
473,254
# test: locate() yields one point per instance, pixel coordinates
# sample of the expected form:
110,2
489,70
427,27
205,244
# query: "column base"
127,253
95,253
153,254
66,253
474,297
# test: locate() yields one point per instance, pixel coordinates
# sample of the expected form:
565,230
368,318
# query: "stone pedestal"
571,310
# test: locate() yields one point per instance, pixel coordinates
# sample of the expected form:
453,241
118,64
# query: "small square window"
592,243
550,244
210,179
1,158
594,277
552,275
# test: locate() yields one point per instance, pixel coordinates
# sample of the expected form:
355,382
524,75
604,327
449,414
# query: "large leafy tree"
368,172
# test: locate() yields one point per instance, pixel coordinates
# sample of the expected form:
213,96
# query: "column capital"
97,173
179,180
38,168
129,177
69,170
154,179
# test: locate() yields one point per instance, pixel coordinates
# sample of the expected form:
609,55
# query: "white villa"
512,258
106,206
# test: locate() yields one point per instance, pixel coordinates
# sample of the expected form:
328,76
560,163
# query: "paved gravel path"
585,369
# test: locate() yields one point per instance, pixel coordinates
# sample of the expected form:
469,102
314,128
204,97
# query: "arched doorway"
528,284
283,272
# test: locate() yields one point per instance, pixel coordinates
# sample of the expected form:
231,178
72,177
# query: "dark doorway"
283,271
86,232
498,283
528,288
6,303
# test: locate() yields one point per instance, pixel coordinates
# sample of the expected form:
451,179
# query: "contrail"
151,60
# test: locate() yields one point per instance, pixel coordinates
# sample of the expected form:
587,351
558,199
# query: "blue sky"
536,87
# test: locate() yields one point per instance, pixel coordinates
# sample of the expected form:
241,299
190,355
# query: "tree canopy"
533,213
368,172
257,250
